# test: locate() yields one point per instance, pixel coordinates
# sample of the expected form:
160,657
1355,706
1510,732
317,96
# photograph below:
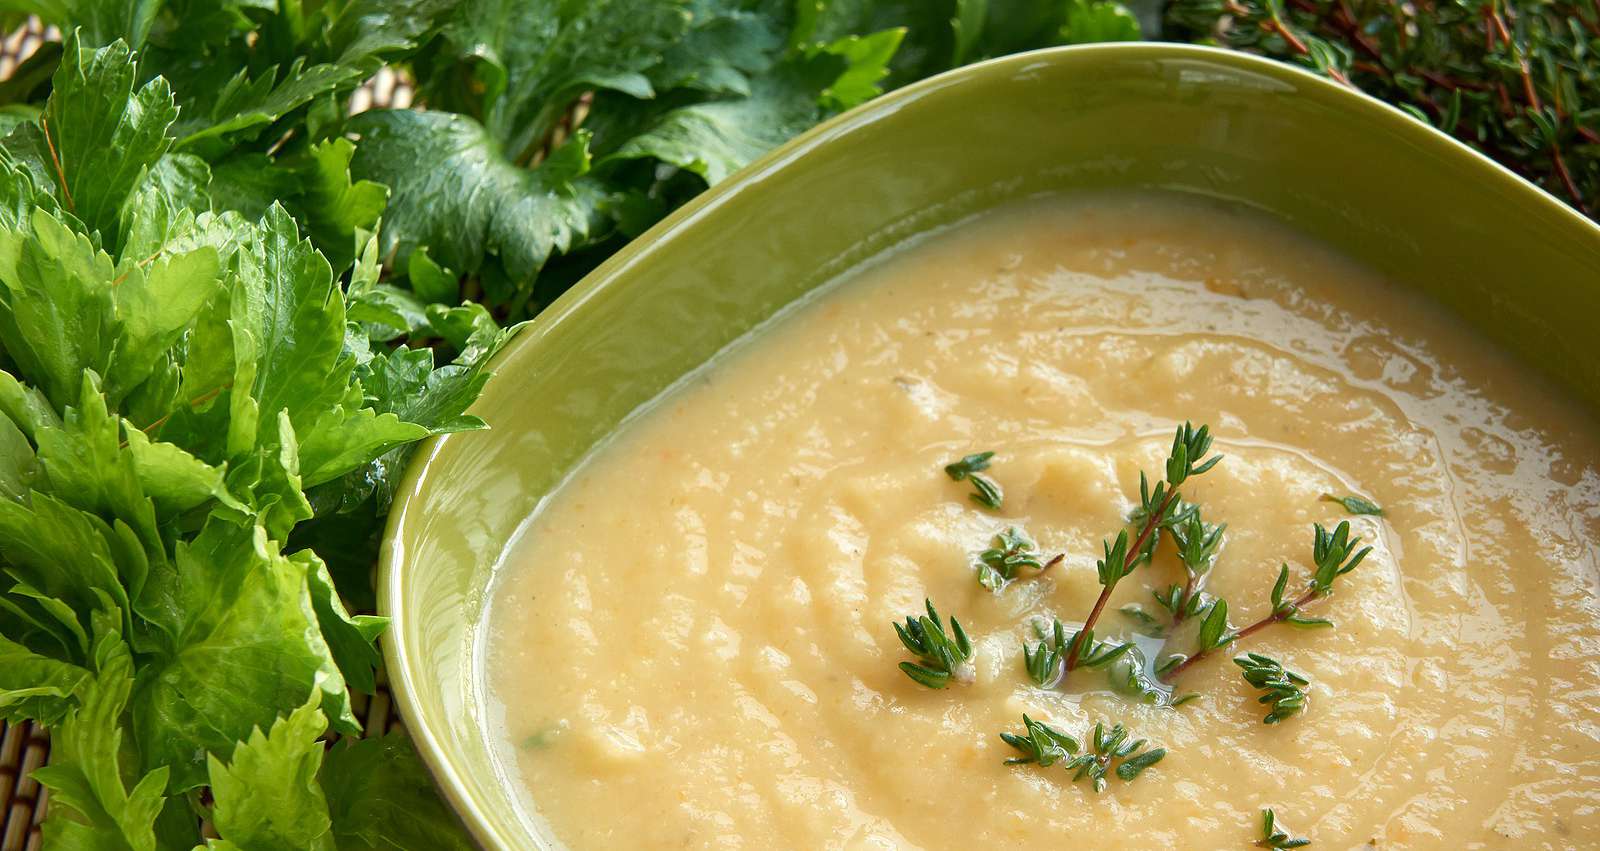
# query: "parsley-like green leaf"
532,58
266,795
89,801
97,134
36,686
454,191
1090,21
380,796
714,138
248,620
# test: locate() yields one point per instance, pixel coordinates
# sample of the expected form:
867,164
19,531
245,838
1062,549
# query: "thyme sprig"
1197,543
1158,507
1011,551
1272,836
1334,554
986,491
1111,752
943,655
1045,662
1284,689
1040,743
1113,747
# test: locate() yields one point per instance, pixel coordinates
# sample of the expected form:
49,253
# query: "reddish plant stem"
1183,602
1531,93
1241,634
1150,525
141,264
1566,178
198,400
1345,26
55,160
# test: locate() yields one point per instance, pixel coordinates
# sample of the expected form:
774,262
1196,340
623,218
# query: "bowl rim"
391,575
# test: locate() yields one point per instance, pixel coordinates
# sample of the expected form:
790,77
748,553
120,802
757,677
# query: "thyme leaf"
1273,836
1144,623
1044,663
1355,504
1332,553
1112,752
986,491
975,463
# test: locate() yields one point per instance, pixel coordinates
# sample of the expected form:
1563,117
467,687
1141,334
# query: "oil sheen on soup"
691,643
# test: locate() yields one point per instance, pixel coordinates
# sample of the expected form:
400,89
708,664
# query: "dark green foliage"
1519,81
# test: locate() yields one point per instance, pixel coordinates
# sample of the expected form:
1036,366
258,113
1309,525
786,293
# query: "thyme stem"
1189,590
1150,524
1278,616
1332,553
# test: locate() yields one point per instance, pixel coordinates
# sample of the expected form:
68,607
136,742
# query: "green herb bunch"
180,388
1519,81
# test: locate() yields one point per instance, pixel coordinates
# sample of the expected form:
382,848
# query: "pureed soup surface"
691,643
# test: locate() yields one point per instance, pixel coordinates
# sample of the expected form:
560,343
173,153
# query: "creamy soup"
690,644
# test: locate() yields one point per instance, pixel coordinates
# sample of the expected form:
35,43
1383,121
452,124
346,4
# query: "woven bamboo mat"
26,746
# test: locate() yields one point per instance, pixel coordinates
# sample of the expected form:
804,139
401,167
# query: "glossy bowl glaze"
1381,186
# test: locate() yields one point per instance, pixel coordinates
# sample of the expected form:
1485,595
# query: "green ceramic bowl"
1383,187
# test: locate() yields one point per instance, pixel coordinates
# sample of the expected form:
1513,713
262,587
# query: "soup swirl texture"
690,645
